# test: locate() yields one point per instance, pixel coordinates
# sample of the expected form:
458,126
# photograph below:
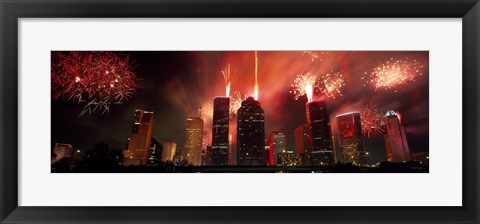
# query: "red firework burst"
96,79
372,121
394,73
331,84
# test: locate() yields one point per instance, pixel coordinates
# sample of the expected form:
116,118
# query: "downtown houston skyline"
178,85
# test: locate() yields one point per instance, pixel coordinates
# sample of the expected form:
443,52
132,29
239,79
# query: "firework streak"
95,79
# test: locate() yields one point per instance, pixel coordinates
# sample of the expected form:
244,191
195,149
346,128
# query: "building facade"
277,145
207,156
251,134
290,159
193,140
155,154
318,121
351,138
220,123
303,144
138,146
395,139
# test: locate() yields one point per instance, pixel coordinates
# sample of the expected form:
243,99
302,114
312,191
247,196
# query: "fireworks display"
178,85
226,77
206,111
236,102
331,84
95,79
315,55
303,85
394,73
372,121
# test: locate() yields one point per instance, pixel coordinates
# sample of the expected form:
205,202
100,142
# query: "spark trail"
226,77
96,79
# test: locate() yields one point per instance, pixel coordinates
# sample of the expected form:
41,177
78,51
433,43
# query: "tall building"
251,134
193,140
395,140
63,150
178,156
207,156
351,138
220,144
318,121
169,151
303,145
138,146
278,145
233,153
155,154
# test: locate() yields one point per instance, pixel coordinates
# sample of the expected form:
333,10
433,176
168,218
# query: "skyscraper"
395,139
155,154
351,138
193,140
169,151
318,121
233,152
178,157
303,146
278,145
207,156
220,144
138,144
251,134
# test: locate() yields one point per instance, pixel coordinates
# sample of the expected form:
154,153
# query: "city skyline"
167,129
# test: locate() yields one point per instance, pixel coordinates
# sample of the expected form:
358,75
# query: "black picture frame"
11,11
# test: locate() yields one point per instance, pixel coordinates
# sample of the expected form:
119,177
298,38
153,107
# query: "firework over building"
318,121
251,134
138,146
395,140
220,144
351,138
278,145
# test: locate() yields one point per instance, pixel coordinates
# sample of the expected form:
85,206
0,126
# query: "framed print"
249,112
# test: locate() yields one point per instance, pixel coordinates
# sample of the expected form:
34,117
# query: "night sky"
176,84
